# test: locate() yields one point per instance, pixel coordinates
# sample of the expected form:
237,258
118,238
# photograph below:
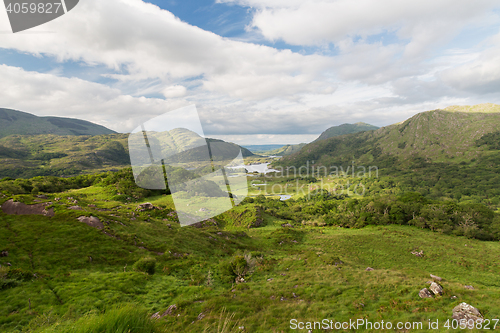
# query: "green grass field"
69,277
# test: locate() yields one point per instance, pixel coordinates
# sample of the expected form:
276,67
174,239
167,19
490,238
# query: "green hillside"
22,123
329,133
439,135
139,271
451,153
104,255
24,156
345,129
285,150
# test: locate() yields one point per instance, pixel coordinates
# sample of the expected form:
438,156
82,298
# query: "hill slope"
329,133
345,129
452,153
22,123
449,135
25,156
65,271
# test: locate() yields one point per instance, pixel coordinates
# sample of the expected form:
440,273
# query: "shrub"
146,265
236,268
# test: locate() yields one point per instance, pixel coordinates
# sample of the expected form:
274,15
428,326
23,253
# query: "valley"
350,227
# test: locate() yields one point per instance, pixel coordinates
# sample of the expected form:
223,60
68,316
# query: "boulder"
469,287
4,254
425,293
75,208
18,208
436,288
435,277
467,312
368,269
146,206
91,221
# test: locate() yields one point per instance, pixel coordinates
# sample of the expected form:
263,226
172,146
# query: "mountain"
345,129
22,123
452,135
286,150
329,133
24,156
453,153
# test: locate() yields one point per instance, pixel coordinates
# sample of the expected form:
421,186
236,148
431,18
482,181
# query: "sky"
258,71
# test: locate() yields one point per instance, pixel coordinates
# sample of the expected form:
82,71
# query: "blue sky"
258,71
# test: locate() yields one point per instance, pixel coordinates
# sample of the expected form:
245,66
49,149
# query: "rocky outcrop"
91,221
167,312
467,312
436,288
146,206
18,208
425,293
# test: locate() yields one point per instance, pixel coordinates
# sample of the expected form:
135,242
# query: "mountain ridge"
431,135
14,122
328,133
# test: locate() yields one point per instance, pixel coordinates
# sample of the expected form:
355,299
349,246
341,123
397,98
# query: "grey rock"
437,278
418,254
469,287
466,311
369,269
146,206
425,293
18,208
75,208
436,288
169,311
91,221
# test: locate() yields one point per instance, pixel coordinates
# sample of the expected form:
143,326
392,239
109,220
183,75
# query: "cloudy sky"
258,71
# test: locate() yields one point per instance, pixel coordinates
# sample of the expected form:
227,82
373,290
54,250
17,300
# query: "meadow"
142,272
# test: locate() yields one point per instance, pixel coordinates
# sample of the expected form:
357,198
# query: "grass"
315,272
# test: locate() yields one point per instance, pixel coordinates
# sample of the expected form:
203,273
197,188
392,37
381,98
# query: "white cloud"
174,91
389,61
50,95
152,43
481,76
315,22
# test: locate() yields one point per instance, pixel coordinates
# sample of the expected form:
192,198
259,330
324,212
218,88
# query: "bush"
146,265
236,268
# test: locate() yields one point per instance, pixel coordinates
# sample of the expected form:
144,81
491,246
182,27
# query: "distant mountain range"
35,146
22,123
